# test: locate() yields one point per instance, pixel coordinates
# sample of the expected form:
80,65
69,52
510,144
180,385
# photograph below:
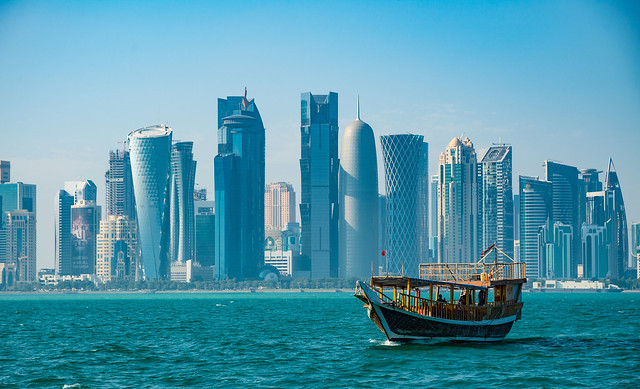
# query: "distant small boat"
484,300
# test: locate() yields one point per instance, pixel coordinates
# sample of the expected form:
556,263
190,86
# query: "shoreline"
199,291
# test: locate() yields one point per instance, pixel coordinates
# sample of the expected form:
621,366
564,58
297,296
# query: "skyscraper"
77,224
116,246
402,157
239,189
20,225
5,172
423,205
205,232
181,211
595,251
616,223
149,149
635,239
459,205
433,218
119,185
497,199
535,211
358,199
279,205
63,264
319,167
85,225
566,201
18,228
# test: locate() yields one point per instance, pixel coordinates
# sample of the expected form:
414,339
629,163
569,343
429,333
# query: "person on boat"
463,299
441,299
482,297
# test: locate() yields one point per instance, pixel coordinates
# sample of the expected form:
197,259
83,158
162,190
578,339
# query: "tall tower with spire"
616,223
239,189
358,200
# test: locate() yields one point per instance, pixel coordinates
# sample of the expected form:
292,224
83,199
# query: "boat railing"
456,272
455,311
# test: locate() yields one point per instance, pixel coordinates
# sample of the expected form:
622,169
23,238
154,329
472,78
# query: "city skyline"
556,81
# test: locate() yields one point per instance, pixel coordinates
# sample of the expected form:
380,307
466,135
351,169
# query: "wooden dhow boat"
449,301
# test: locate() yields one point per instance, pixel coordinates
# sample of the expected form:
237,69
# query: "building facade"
119,196
150,149
459,204
497,200
116,248
566,203
595,252
85,225
535,211
319,165
279,205
205,232
181,203
616,224
18,228
239,189
402,157
358,201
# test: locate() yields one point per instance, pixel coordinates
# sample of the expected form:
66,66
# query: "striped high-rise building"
535,211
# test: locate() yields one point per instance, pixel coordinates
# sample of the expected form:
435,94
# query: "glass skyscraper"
319,165
18,227
535,211
181,211
616,224
402,157
497,199
119,185
459,204
150,150
566,200
239,189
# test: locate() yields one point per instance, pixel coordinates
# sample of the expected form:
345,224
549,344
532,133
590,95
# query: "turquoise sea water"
303,339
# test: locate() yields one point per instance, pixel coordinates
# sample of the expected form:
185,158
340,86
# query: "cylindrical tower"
358,187
150,150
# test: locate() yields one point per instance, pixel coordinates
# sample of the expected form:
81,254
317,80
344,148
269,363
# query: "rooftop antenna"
358,108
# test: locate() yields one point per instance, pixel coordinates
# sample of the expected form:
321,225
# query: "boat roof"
401,282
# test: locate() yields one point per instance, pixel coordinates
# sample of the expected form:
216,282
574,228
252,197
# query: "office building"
82,190
616,224
566,203
116,248
63,243
205,232
119,196
535,212
18,228
423,206
150,150
433,219
279,205
5,172
181,207
358,201
595,252
555,245
459,204
402,157
20,233
85,225
635,239
319,167
239,189
497,200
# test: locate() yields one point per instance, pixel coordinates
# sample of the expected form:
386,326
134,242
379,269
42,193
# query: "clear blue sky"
557,79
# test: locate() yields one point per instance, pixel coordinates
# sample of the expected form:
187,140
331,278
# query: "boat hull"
402,326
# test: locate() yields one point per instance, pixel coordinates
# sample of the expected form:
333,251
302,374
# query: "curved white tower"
358,188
